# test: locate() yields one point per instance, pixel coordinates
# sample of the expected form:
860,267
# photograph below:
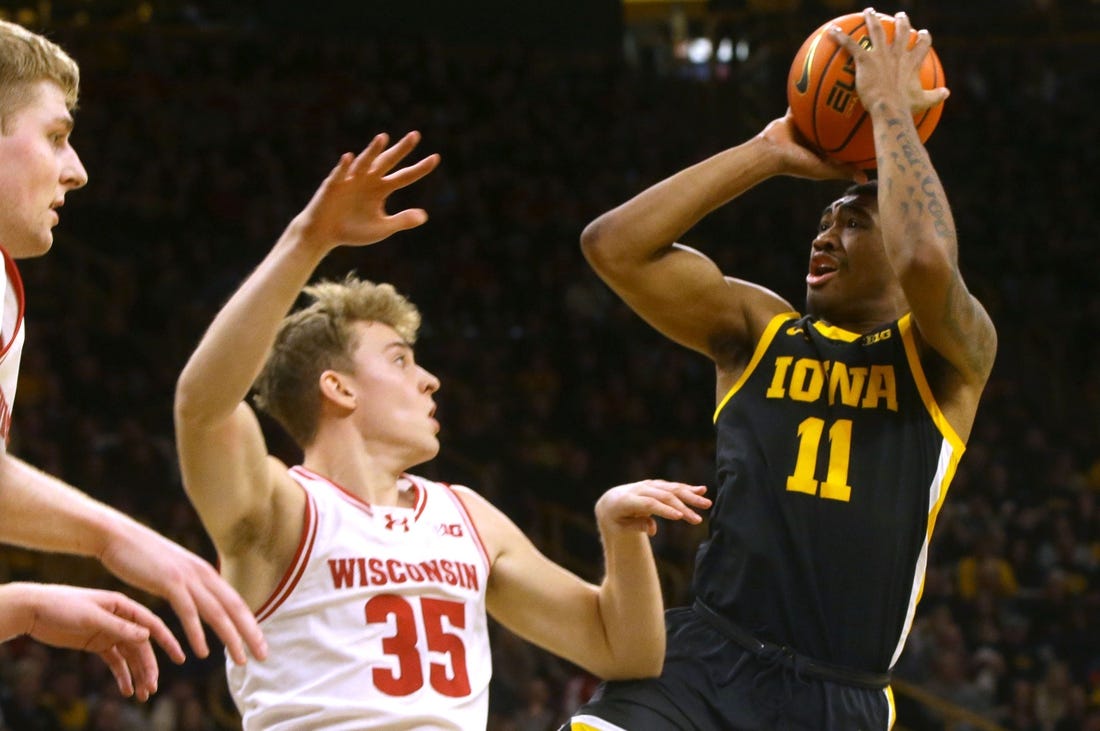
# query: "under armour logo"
393,522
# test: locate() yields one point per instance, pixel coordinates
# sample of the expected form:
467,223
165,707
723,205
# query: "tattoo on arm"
931,196
964,319
936,208
921,202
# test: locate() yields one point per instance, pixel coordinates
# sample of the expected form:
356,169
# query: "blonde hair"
320,337
27,58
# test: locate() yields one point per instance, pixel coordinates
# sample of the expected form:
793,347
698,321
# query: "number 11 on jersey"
835,485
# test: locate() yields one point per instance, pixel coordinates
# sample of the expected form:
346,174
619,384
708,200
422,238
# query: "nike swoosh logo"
804,82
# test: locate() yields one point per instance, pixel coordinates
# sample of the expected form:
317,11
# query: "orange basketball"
821,93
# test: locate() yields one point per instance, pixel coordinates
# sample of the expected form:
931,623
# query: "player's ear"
336,389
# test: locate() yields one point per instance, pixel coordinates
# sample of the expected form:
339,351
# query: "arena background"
204,126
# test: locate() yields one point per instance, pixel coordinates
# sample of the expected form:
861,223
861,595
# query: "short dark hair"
870,188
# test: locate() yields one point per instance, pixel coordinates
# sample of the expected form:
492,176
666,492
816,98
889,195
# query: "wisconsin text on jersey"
368,571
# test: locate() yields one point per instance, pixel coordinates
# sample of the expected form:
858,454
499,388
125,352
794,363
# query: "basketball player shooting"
838,431
371,584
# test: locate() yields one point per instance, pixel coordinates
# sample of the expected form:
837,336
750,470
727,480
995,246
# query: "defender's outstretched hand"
107,623
889,71
349,209
634,506
151,562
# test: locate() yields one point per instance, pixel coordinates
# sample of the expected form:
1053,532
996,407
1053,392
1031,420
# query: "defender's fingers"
242,624
365,159
182,603
142,665
389,158
119,670
152,627
408,175
665,504
408,218
649,505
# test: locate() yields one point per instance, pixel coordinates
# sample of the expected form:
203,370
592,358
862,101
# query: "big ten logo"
843,93
877,337
450,529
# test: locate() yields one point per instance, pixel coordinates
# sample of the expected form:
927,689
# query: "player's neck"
369,478
864,320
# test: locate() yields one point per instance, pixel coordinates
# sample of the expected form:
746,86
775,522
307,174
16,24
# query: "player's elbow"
594,243
603,249
185,407
191,407
635,654
645,664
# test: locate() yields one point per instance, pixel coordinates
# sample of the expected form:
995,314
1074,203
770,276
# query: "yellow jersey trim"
762,346
905,326
586,722
836,333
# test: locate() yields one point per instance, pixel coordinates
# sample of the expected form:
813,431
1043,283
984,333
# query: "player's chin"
815,300
32,246
428,449
823,302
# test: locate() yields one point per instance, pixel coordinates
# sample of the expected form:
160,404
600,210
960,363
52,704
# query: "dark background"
206,126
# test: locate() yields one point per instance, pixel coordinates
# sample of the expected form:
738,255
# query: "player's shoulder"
475,503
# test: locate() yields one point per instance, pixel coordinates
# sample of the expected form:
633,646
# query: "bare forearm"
16,610
631,606
230,355
661,214
916,218
41,512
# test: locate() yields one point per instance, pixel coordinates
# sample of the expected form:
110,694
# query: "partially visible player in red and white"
39,85
373,585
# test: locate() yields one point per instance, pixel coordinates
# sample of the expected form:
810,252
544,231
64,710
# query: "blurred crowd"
201,145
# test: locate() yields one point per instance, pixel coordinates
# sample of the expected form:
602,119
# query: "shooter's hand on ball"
798,159
888,72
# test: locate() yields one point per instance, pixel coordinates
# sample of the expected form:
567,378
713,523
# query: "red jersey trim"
17,287
469,520
419,502
421,497
298,566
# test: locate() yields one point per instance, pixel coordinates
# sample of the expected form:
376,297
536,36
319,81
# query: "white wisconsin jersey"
12,336
379,623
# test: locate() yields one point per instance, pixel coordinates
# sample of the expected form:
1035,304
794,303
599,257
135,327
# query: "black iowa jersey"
833,460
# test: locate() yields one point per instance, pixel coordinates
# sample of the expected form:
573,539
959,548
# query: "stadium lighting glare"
699,50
